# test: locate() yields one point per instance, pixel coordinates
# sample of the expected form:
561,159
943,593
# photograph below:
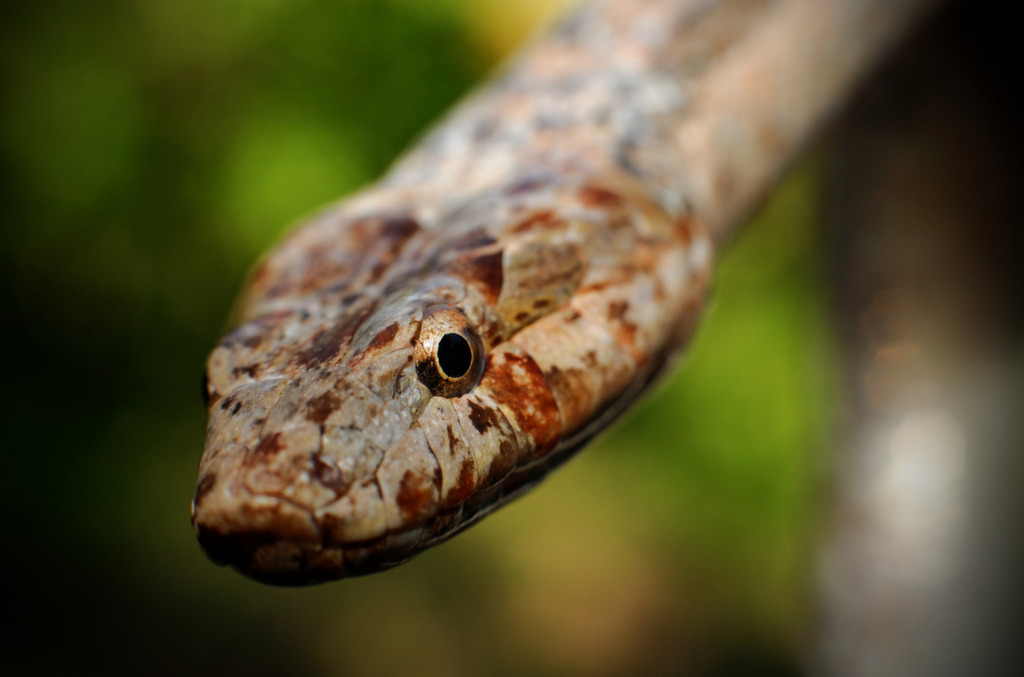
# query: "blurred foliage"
149,152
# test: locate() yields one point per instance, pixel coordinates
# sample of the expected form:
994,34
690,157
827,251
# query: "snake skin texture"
420,353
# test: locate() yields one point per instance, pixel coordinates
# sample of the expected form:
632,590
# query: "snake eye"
449,353
454,355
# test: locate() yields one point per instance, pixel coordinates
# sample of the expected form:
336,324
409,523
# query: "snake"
418,354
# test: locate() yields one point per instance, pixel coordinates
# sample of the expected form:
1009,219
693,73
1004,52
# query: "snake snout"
265,536
317,477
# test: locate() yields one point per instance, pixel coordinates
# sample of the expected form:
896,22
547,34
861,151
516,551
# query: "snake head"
392,383
326,463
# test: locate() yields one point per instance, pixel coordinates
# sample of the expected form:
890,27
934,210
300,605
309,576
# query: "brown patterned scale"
422,352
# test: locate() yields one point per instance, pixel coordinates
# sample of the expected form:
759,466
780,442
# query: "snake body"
418,354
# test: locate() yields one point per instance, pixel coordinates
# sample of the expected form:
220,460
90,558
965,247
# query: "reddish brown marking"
428,374
514,378
328,343
543,219
502,463
477,239
617,309
596,286
541,303
483,418
594,196
321,406
325,345
384,237
485,272
630,330
269,446
398,227
414,495
329,523
451,439
329,475
385,337
321,269
556,379
206,483
573,390
466,483
328,265
624,333
684,228
507,452
521,316
572,316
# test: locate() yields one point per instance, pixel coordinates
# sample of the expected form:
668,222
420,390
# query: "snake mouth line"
288,561
278,562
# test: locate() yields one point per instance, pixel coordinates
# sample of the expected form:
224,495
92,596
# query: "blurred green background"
150,150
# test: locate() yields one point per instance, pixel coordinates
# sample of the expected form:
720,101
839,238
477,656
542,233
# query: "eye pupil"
454,355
